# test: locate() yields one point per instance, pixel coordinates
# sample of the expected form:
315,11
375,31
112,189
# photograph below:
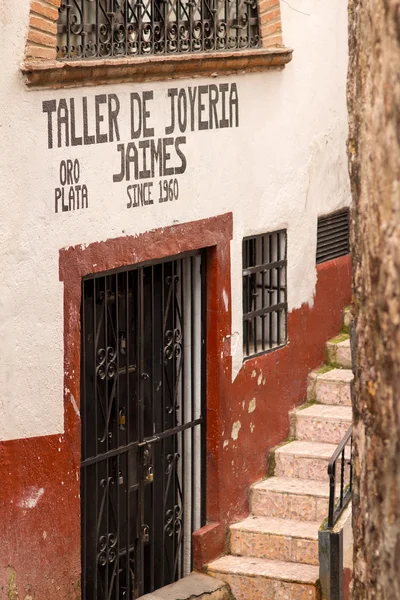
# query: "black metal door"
142,411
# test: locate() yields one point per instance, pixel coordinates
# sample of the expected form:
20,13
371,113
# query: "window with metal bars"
116,28
264,292
333,236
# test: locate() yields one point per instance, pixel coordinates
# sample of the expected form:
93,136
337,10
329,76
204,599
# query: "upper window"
92,42
90,29
264,293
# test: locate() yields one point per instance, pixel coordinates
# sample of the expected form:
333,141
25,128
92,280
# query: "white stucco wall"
347,539
283,166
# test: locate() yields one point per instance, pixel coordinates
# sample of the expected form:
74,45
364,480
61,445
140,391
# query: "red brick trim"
270,23
43,70
42,35
56,74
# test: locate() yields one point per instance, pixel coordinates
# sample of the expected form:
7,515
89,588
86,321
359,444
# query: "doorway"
143,425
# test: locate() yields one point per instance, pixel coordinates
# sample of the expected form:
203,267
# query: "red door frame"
214,235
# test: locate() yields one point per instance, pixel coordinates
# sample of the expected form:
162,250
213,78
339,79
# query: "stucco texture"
282,166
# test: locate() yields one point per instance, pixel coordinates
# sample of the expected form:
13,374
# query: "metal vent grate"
333,236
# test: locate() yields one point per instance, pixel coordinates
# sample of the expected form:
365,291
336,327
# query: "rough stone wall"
374,162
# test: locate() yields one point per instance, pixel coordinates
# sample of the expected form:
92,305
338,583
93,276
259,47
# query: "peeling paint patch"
252,426
254,374
74,405
12,584
225,298
252,405
259,380
28,593
73,402
226,443
235,430
234,341
32,498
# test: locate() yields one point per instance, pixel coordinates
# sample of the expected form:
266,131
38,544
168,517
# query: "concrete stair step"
276,539
304,460
290,498
331,387
261,579
195,585
338,351
321,423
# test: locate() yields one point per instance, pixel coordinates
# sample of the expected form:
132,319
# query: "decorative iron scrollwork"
107,549
106,363
173,521
107,544
173,341
171,460
173,345
104,28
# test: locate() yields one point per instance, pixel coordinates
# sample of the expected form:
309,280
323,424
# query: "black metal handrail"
335,510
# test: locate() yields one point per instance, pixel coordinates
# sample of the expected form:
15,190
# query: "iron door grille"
333,234
143,426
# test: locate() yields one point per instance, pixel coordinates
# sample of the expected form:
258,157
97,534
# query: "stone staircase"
274,552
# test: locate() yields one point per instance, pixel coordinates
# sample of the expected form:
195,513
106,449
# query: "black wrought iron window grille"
89,29
264,293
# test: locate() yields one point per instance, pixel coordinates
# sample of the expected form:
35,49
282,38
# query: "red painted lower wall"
347,578
39,477
283,376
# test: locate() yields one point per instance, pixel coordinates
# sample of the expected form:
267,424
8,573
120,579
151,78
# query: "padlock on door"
122,419
150,474
145,534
